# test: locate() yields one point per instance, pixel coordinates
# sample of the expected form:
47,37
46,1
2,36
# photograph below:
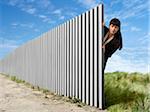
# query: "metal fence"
66,60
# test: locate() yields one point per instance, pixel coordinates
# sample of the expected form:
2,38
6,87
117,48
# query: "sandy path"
19,98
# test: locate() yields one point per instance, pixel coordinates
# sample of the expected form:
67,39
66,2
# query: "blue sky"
23,20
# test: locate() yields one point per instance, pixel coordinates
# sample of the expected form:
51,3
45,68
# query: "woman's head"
114,26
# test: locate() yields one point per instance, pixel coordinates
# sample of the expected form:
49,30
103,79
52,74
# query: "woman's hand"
103,47
103,23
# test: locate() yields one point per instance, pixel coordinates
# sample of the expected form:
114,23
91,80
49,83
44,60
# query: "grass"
127,92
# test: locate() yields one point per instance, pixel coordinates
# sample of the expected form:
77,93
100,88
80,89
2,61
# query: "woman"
112,40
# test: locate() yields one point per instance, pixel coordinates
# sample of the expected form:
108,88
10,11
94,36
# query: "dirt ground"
16,97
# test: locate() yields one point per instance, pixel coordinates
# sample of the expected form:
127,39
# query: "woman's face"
113,29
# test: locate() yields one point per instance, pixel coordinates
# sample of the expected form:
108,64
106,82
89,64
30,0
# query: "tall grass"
127,92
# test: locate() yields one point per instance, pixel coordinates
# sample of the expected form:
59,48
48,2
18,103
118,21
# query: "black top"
113,45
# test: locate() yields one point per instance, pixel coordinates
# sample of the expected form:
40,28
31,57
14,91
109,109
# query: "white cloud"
13,2
62,17
57,12
25,25
27,8
42,16
6,49
134,8
35,8
8,44
36,30
88,3
30,10
28,25
71,13
135,29
130,4
139,53
14,24
44,3
144,40
113,2
46,19
118,63
23,5
30,1
125,24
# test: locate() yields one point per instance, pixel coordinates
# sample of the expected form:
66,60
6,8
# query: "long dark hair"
119,36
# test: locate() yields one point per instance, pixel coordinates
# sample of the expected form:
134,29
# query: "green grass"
127,92
14,78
